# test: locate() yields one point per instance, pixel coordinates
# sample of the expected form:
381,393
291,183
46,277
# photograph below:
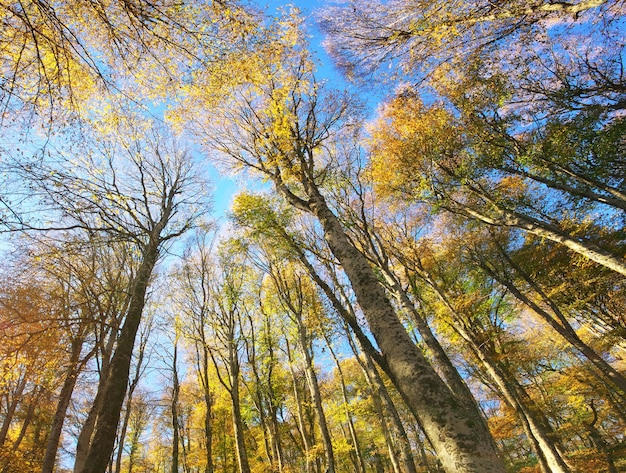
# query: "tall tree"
139,190
296,136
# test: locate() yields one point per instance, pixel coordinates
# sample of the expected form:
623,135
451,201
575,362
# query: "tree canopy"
434,284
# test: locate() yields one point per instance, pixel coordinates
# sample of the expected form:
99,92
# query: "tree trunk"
535,424
380,395
86,432
52,445
129,404
114,388
551,232
313,384
360,463
8,418
174,409
457,431
559,323
238,427
203,374
306,442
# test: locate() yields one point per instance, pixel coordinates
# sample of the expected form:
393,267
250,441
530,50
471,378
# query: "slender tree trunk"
360,463
306,443
8,418
123,432
551,232
273,403
313,384
275,436
174,409
558,322
534,423
238,427
28,418
86,432
202,368
52,445
380,396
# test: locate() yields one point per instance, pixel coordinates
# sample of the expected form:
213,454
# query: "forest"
421,268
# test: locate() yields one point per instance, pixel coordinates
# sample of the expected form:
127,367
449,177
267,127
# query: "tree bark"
52,445
457,432
114,388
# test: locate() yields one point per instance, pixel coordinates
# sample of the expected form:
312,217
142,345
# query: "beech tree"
293,134
424,39
60,56
423,152
139,190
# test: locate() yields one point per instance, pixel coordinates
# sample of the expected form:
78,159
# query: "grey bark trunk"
174,408
114,389
63,403
313,384
240,445
535,424
551,232
457,431
203,371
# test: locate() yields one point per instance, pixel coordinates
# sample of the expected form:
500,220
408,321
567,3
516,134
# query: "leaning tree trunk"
558,322
203,374
457,431
534,423
52,445
313,384
114,388
86,433
380,396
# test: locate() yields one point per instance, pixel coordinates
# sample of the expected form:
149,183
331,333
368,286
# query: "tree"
424,39
92,287
29,362
194,281
423,152
219,286
291,133
297,297
61,53
141,191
